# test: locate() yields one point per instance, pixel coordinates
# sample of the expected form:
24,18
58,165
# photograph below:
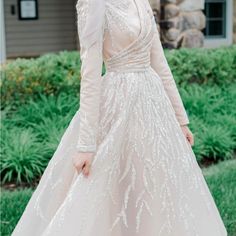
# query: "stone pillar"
181,23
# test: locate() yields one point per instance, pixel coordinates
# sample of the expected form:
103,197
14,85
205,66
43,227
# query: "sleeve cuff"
183,121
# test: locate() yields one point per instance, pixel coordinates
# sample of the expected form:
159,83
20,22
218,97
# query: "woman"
124,166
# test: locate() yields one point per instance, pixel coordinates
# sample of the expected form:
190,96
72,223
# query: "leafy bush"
213,143
211,112
49,75
35,112
203,66
31,135
22,155
41,113
212,119
55,73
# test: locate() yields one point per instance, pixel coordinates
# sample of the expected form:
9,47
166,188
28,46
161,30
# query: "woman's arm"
160,65
91,69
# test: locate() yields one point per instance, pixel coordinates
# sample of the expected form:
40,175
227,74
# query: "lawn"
221,179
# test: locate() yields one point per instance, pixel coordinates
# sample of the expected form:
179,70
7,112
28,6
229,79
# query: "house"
33,27
197,23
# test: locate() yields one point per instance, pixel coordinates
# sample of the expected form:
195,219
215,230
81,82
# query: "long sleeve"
160,65
90,86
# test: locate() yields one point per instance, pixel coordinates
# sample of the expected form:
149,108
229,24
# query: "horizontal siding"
55,29
23,52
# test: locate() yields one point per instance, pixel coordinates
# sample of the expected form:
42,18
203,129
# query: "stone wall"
181,23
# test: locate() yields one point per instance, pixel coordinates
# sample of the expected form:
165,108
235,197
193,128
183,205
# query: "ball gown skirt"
144,179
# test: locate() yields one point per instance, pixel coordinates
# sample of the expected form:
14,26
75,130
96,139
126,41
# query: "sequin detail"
144,178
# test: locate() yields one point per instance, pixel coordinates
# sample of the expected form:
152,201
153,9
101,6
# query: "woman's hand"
188,134
82,161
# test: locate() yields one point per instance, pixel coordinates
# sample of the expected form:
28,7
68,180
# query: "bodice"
127,40
135,40
128,35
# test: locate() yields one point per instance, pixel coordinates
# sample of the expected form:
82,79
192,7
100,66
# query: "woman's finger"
86,169
191,140
79,166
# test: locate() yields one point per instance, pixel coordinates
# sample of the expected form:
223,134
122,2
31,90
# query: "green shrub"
31,135
213,143
203,66
34,113
55,73
22,155
49,75
44,112
212,119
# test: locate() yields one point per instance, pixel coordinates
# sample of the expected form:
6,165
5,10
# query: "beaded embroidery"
144,171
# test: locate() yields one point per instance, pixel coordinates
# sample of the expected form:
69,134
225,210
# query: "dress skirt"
144,179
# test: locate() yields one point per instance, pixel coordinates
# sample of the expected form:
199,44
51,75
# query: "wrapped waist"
128,64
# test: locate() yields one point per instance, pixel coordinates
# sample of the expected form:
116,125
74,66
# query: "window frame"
227,38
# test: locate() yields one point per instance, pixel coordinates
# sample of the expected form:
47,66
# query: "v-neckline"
140,15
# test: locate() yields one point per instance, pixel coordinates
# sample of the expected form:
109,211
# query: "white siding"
55,29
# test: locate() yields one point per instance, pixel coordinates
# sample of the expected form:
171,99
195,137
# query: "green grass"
12,206
221,179
30,136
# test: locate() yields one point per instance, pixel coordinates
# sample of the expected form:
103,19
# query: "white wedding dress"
144,179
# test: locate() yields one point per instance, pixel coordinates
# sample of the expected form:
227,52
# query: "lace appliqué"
116,16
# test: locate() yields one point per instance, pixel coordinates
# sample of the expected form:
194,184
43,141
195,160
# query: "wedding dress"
144,179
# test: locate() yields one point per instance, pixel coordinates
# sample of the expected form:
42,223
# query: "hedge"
55,73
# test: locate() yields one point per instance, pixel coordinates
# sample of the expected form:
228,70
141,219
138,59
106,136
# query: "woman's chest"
124,21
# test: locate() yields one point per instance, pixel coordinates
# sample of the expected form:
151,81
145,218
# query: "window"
215,11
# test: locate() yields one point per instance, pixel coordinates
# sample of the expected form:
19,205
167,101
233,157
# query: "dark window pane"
215,10
215,27
210,1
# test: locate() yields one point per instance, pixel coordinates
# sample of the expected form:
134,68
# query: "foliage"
55,73
22,155
42,122
212,119
203,66
40,97
49,74
31,135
